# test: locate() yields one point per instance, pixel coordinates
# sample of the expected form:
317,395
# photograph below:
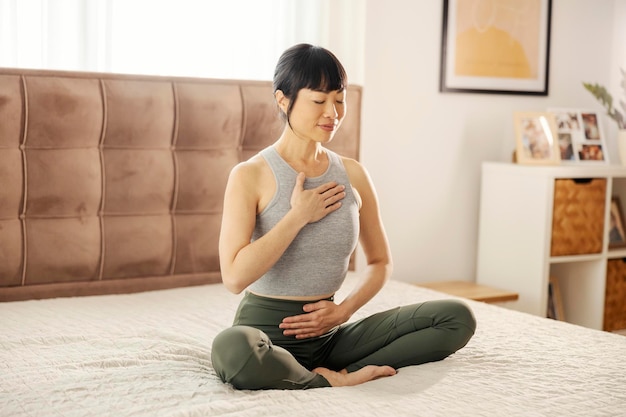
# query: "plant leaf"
605,98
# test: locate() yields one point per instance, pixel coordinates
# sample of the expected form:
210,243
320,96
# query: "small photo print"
580,136
567,120
590,124
591,153
536,142
567,149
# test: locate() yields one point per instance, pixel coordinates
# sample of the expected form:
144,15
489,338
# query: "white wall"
424,149
619,57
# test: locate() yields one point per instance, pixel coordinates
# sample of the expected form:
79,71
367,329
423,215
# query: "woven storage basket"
578,216
615,295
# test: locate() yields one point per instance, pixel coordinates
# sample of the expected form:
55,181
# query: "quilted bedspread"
148,354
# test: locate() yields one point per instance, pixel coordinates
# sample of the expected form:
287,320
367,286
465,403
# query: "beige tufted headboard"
113,183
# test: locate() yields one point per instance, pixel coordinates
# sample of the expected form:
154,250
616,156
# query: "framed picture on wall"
536,139
581,139
495,46
617,232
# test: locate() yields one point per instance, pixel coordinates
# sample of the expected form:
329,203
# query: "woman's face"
316,115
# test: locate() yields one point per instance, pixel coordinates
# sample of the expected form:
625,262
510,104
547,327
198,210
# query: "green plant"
605,98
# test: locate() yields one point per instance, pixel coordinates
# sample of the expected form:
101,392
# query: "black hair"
308,66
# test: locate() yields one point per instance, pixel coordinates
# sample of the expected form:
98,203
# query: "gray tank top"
316,262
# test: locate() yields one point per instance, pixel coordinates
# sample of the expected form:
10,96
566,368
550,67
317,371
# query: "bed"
109,281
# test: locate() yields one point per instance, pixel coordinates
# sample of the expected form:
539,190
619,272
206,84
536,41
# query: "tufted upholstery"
113,183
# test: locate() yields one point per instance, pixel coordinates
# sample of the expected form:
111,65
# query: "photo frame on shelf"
555,301
536,139
617,227
495,49
581,139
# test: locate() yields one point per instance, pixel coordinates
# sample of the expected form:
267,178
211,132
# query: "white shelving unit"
515,237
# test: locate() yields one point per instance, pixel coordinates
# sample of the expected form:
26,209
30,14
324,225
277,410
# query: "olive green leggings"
254,353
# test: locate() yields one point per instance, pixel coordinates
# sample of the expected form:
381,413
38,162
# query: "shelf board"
617,253
577,258
558,171
472,291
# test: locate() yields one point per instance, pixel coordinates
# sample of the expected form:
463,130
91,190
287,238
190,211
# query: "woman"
292,216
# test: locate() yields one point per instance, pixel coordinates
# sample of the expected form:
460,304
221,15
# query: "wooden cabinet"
552,221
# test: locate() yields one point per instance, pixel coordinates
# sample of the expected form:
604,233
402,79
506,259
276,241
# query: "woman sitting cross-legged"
293,215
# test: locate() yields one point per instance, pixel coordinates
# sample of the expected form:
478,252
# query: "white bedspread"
148,354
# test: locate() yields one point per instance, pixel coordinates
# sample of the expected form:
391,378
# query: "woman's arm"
242,262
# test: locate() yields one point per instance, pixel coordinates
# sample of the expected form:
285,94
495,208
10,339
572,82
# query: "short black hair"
308,66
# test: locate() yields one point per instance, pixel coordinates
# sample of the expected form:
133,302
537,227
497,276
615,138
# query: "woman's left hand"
318,319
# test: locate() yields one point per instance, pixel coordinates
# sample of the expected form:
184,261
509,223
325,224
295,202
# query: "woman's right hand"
316,203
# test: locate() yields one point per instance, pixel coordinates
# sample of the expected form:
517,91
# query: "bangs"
321,72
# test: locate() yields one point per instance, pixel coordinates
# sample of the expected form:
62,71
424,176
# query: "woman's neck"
303,156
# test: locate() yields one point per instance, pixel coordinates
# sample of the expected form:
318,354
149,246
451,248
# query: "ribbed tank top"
316,262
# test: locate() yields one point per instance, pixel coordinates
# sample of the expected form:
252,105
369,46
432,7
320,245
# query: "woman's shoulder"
249,170
353,167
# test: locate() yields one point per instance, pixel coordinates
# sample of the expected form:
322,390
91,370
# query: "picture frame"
536,139
555,301
495,49
617,226
581,139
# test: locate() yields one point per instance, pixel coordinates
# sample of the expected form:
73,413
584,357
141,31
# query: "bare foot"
344,378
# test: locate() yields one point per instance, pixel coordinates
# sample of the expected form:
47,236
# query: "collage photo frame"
580,136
